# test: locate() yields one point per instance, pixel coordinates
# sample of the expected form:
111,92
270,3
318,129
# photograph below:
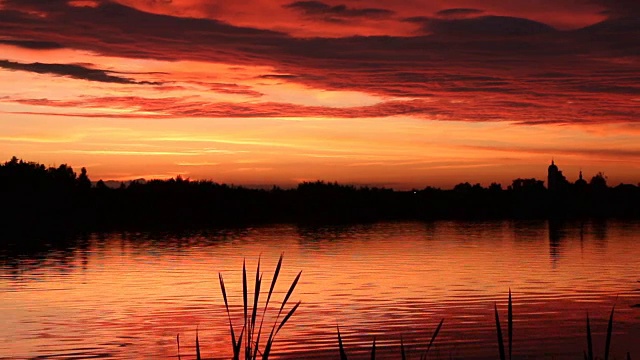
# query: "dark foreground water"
126,296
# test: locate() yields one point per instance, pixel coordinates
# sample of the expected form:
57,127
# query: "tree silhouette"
598,181
84,183
45,198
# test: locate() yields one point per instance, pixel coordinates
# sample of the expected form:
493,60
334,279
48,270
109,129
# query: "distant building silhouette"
49,199
598,182
581,183
555,179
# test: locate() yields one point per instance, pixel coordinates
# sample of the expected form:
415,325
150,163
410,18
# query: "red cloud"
586,75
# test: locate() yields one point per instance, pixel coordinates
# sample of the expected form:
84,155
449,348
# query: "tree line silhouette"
40,198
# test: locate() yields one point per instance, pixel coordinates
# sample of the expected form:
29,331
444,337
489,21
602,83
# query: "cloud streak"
461,63
337,12
459,12
72,71
523,112
32,44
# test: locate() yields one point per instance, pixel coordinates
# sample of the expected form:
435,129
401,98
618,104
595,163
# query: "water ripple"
128,295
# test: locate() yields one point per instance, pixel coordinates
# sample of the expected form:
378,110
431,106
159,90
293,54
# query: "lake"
127,295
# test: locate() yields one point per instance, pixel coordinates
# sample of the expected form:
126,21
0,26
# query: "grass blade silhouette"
373,349
607,345
499,331
266,305
275,329
433,338
254,311
267,347
291,288
236,350
589,342
178,341
235,345
343,354
402,353
293,310
244,299
510,323
197,347
275,278
284,302
435,334
248,338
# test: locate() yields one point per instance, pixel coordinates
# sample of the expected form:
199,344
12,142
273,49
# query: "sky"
402,94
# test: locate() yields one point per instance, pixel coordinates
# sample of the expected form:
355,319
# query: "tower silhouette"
555,179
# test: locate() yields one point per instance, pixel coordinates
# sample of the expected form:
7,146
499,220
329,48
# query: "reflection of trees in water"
557,234
311,236
529,230
599,230
595,232
64,252
470,230
430,230
58,250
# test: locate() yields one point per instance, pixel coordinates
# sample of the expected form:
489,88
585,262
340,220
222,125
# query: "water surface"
127,295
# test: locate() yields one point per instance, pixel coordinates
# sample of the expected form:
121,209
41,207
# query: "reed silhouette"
252,330
246,345
249,349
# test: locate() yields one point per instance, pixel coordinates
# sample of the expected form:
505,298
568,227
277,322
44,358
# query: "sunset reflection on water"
127,295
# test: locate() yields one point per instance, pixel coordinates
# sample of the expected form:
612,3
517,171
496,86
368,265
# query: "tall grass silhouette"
403,353
509,329
588,354
253,321
246,344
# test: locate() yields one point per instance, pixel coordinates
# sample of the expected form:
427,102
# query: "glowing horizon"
399,95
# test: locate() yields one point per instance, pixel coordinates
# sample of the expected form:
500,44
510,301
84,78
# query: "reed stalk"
343,353
252,322
509,328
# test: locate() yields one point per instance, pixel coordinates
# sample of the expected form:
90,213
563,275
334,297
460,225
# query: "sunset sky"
258,92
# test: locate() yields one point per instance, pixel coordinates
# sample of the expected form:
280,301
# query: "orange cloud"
421,90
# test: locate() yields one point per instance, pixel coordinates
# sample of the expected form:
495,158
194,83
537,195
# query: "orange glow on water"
128,296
